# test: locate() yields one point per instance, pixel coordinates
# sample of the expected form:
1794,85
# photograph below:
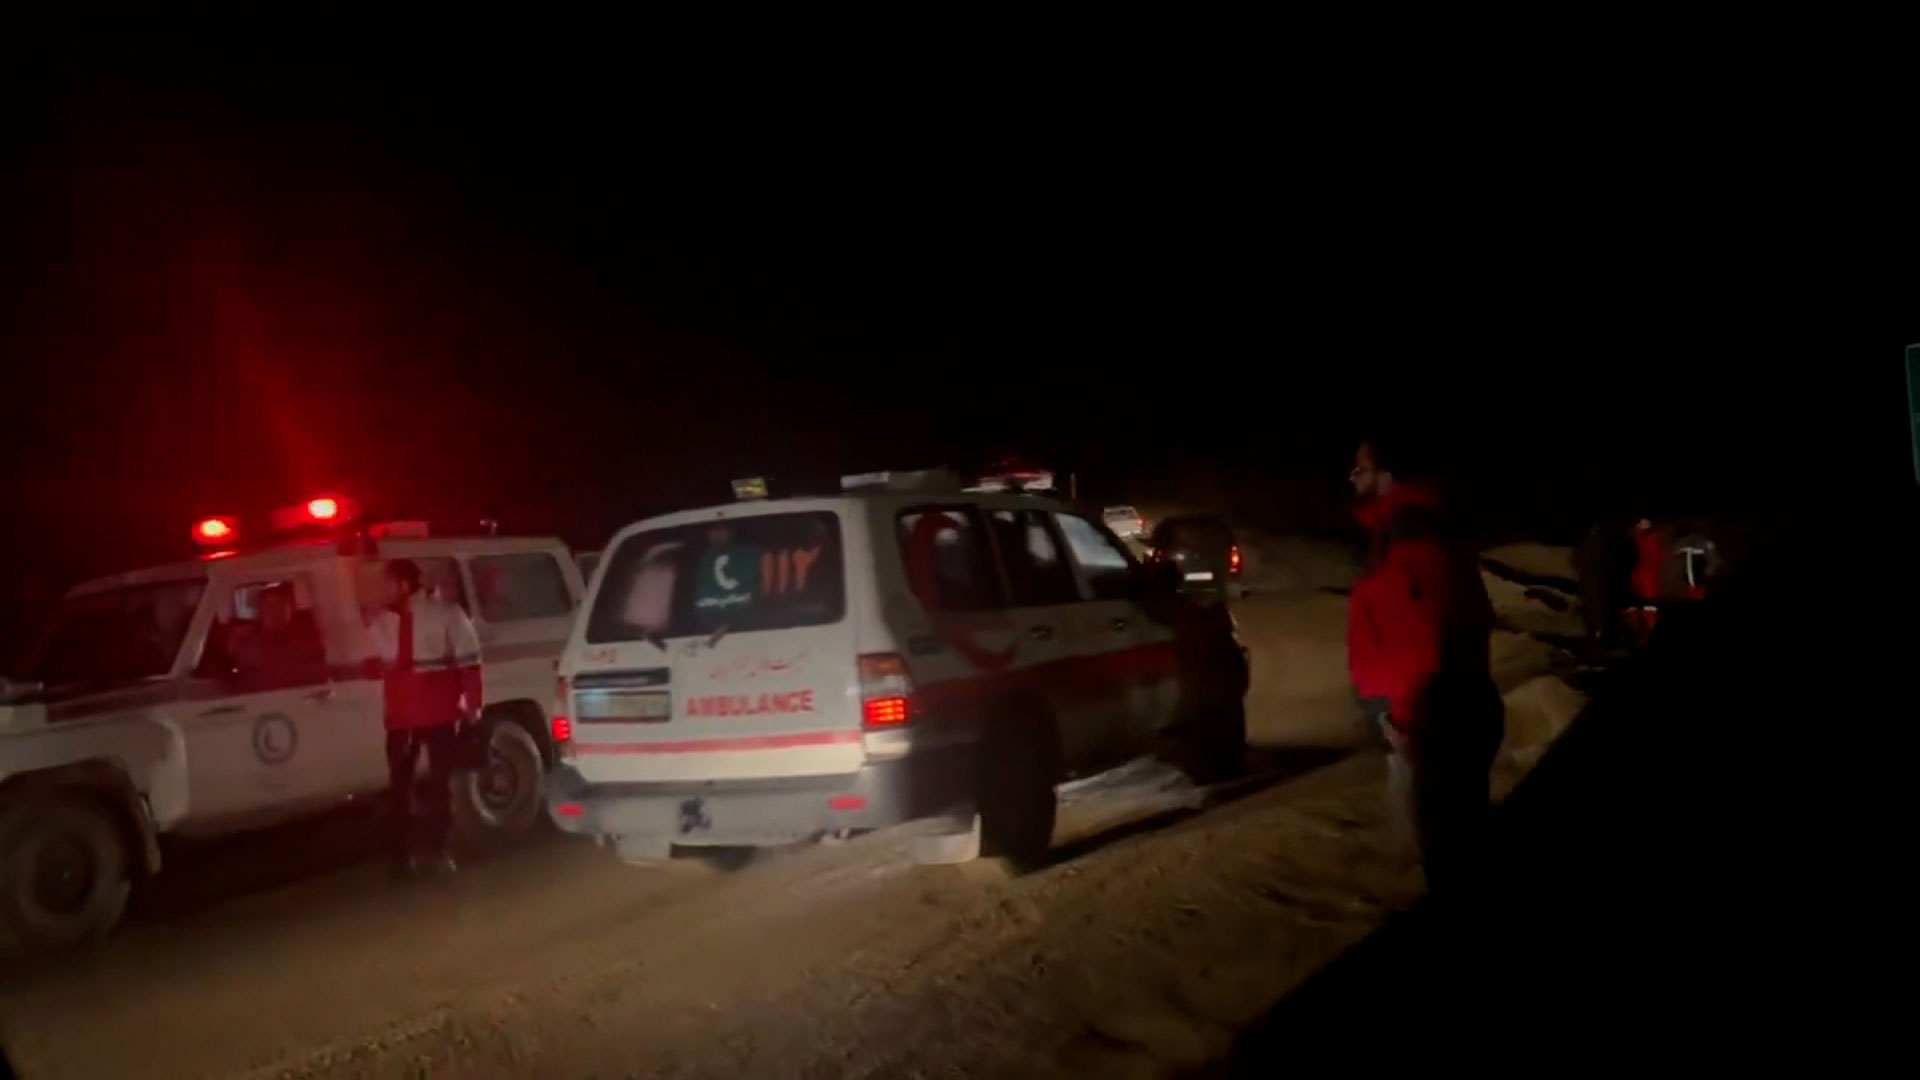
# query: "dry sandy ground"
1155,935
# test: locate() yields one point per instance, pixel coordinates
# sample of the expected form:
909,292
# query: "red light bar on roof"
322,510
214,531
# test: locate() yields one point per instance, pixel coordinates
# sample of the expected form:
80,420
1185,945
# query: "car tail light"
562,721
886,691
1233,559
885,712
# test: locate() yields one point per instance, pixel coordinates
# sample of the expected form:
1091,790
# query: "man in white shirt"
430,658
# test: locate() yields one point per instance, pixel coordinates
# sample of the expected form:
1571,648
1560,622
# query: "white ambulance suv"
162,702
772,670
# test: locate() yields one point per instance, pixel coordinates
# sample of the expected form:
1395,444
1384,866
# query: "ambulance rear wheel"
1014,779
64,872
501,797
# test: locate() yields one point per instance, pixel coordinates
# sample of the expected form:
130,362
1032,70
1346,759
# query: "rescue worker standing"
1418,632
1650,546
431,659
1602,562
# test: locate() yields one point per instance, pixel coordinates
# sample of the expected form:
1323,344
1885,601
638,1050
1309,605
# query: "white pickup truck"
158,702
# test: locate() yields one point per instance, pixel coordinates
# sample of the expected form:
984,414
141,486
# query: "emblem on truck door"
275,738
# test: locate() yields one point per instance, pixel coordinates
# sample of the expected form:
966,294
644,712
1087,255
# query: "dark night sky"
559,275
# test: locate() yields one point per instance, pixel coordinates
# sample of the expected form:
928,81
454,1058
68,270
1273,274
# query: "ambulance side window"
1037,570
948,564
1103,562
521,586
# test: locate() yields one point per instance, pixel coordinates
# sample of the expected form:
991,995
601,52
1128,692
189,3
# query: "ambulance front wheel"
64,872
500,798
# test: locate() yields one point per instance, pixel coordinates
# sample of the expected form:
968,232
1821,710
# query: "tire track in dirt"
1141,955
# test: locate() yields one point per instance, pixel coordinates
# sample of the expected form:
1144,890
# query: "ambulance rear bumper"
766,811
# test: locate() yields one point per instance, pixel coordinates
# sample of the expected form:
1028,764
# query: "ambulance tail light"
886,691
562,725
886,712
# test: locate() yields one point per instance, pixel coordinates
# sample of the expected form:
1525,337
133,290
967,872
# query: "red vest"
431,659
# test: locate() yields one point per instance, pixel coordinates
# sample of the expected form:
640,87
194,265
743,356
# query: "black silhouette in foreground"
1658,885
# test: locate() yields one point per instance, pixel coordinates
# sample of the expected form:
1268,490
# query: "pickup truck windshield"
120,635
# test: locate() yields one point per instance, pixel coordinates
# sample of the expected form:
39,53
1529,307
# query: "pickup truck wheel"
63,872
1014,780
502,797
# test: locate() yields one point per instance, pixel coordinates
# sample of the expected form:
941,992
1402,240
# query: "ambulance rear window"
769,572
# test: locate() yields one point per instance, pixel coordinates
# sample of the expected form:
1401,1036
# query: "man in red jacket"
1651,547
431,658
1418,630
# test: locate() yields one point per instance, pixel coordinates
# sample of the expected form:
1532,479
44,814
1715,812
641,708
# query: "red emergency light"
319,511
215,530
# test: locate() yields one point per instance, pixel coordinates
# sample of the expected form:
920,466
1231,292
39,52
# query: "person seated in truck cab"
281,647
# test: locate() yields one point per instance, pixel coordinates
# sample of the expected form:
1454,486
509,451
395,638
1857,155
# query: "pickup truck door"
267,737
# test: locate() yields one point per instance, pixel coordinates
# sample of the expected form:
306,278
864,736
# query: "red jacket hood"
1375,513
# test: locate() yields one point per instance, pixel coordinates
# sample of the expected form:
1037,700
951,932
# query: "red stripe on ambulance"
1071,678
707,746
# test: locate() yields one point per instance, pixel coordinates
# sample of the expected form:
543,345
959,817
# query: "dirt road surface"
1156,932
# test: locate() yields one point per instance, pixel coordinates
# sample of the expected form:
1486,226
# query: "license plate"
651,707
